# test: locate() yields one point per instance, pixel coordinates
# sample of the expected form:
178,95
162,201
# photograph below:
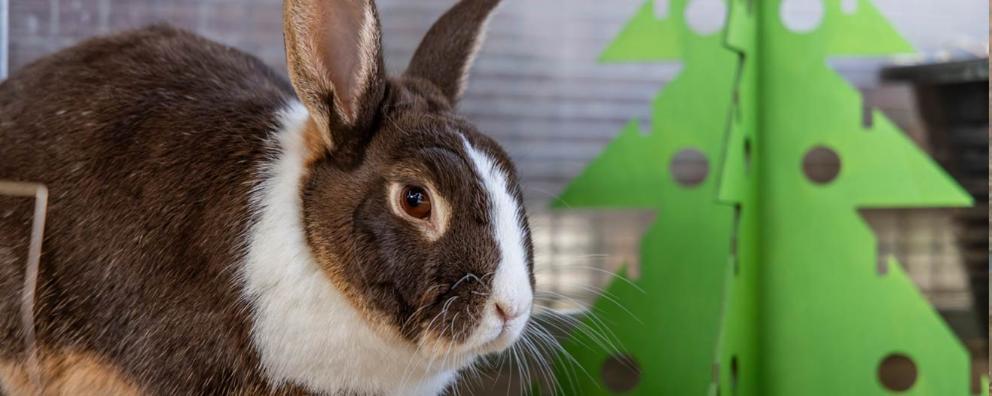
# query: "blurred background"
537,89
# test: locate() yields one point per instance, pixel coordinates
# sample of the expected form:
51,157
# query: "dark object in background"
953,99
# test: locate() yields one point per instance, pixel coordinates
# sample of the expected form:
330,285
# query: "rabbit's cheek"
509,305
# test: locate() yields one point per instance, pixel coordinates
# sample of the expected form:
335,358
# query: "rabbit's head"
412,213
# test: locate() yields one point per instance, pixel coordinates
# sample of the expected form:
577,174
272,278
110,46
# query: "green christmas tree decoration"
629,45
674,336
761,280
862,32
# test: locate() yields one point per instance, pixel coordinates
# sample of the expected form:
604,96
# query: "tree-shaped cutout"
684,253
759,280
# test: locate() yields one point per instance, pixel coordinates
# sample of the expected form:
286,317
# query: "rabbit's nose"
508,312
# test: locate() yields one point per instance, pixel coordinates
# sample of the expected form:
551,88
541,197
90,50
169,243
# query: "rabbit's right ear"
449,47
334,55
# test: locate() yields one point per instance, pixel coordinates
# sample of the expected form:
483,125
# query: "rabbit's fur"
209,233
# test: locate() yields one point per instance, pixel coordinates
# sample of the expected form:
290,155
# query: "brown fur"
149,172
67,373
151,142
335,64
456,36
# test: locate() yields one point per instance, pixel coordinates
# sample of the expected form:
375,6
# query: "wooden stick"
40,194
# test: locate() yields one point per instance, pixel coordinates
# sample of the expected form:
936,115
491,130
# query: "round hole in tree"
733,372
706,17
661,8
801,16
689,167
821,165
621,373
747,155
897,372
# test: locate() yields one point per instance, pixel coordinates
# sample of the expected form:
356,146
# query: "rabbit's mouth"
497,332
507,336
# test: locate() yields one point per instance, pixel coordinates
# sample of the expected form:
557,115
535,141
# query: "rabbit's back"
157,91
149,142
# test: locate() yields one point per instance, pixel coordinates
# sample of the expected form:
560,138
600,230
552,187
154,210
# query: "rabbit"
215,229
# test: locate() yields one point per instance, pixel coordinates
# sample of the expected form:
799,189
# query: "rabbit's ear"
448,49
334,55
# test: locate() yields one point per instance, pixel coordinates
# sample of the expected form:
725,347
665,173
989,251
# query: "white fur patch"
511,283
304,329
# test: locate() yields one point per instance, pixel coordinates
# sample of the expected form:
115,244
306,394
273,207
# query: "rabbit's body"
149,205
210,233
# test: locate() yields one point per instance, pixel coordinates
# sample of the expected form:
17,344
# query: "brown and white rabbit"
210,233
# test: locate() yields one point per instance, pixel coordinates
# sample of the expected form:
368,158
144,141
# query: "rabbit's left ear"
334,55
447,51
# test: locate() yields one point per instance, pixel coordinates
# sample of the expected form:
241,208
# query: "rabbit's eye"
416,202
